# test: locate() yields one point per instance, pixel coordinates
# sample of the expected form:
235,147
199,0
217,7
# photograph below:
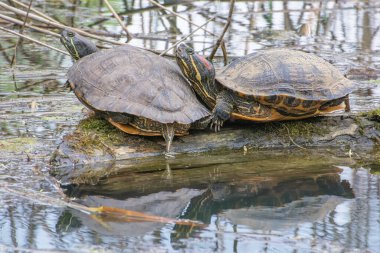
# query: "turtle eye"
189,50
70,34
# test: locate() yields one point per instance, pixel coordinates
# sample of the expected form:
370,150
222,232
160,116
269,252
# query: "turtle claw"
216,124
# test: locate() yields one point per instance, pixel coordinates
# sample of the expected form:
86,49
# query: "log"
95,143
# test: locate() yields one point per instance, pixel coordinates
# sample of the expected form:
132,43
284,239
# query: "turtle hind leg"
347,103
201,123
168,134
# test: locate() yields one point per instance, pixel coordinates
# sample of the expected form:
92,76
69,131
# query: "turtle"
270,85
136,90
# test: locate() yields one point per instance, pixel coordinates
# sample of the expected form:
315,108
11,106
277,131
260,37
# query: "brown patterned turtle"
276,84
135,90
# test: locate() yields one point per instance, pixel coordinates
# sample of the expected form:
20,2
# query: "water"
258,202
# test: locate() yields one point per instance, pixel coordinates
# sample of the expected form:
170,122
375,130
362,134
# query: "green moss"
372,115
295,129
375,168
102,128
17,144
377,81
94,133
85,142
358,121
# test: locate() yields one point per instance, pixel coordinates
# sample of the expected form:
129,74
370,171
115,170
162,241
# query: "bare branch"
187,36
179,16
220,39
129,36
31,39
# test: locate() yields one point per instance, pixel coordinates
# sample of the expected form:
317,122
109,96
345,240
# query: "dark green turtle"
135,90
276,84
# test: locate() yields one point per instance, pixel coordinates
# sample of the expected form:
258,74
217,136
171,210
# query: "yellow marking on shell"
274,116
333,108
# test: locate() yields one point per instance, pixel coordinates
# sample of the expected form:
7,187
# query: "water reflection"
245,205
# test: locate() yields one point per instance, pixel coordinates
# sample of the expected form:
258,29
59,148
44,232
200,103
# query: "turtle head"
197,69
78,46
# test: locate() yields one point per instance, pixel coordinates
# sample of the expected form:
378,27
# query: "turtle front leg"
168,134
222,110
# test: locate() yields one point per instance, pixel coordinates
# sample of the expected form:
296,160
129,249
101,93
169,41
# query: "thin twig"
179,16
58,25
220,39
61,26
291,139
35,11
34,40
13,62
19,22
129,36
187,36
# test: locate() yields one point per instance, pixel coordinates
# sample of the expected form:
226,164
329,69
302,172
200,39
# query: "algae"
375,81
373,115
94,134
295,129
104,131
24,144
359,122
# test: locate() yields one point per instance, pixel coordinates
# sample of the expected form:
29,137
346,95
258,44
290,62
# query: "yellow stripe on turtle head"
197,75
185,68
76,54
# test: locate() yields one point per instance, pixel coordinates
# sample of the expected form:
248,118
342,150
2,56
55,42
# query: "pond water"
264,201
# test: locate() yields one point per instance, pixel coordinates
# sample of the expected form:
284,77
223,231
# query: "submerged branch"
101,213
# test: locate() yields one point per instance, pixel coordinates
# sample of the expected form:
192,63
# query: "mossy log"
96,141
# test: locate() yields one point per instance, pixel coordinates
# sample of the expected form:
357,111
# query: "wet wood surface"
349,133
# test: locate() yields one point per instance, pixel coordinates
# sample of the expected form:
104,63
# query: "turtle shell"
282,72
130,80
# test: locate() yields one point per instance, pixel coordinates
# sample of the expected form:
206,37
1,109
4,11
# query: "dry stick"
34,10
179,16
189,21
21,32
58,25
220,39
31,39
18,22
184,38
129,36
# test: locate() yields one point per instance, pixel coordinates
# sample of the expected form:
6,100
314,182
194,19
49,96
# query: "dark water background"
280,201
